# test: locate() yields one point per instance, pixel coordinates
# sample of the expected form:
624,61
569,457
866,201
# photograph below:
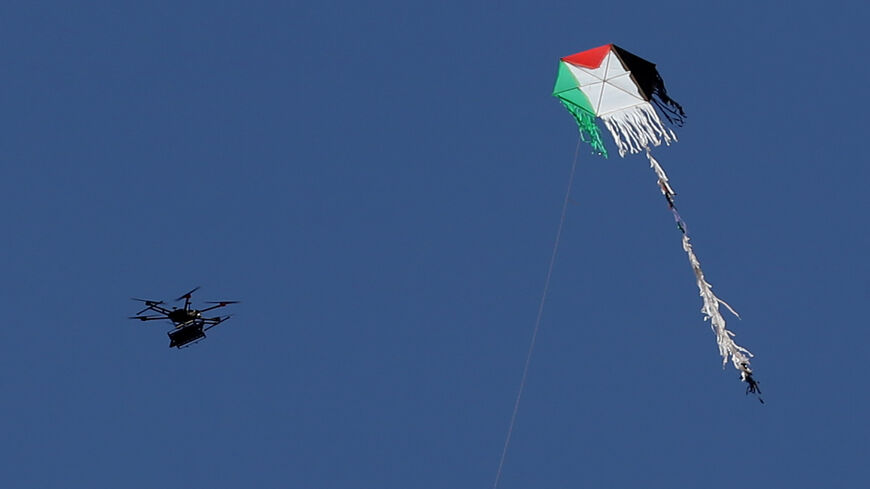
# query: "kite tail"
728,349
589,132
637,128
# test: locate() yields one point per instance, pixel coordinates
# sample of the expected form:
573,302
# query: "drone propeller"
187,295
149,304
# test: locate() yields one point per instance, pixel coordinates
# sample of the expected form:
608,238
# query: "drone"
190,325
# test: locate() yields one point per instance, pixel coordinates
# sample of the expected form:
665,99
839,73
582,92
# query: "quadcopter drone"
190,325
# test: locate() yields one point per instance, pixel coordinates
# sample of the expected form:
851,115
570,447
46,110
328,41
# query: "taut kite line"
621,89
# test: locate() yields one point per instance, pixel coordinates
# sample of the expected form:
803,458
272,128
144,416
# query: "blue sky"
380,184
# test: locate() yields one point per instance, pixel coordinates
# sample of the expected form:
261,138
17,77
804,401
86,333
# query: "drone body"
190,325
181,316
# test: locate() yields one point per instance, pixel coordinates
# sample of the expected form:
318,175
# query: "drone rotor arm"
161,310
148,318
212,322
152,305
218,304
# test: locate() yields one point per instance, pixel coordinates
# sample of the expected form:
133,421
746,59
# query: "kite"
627,94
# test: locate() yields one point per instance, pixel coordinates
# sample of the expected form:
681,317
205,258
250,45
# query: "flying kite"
623,90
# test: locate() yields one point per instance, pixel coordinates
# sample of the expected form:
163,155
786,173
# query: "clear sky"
380,184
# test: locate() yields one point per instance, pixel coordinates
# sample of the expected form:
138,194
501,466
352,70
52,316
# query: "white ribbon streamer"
637,128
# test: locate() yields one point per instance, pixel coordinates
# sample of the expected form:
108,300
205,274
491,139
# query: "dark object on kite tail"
648,79
751,384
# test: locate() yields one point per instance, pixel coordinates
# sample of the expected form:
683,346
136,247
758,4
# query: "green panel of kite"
578,105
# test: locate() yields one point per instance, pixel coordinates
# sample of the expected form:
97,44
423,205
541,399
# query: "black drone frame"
190,325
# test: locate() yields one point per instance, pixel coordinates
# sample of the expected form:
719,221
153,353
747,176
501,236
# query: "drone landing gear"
186,335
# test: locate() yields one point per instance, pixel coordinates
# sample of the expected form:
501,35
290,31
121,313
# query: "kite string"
510,431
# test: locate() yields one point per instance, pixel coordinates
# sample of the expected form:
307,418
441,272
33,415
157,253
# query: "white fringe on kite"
636,128
727,347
